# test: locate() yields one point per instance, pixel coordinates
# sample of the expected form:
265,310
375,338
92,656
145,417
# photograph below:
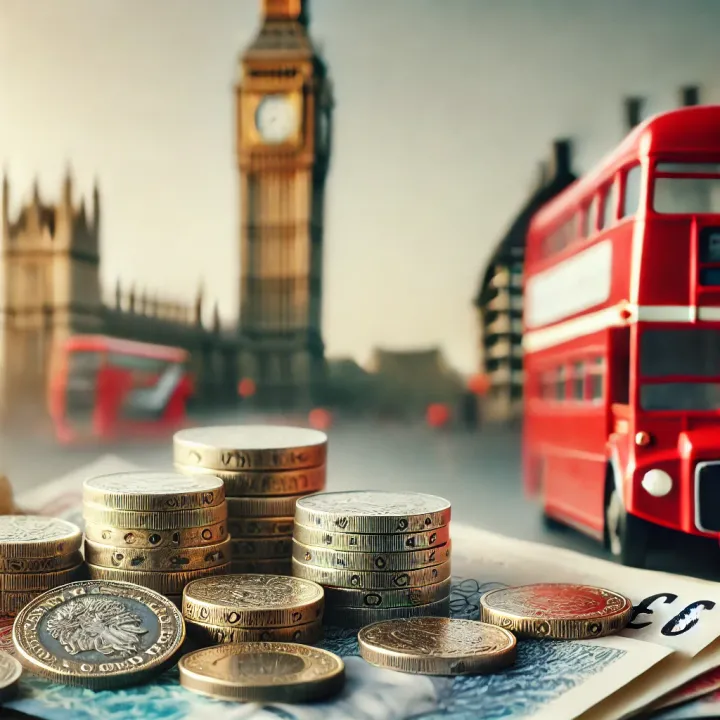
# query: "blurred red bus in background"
104,388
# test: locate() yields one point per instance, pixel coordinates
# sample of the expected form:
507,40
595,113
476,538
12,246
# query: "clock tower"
284,110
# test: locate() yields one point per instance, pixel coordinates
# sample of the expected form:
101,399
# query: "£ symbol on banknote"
96,624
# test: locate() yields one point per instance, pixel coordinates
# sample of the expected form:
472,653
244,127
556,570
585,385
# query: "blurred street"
478,472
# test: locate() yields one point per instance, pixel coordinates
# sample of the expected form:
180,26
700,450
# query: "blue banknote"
544,671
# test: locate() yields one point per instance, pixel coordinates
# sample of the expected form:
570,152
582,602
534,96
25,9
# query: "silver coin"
144,482
373,511
10,672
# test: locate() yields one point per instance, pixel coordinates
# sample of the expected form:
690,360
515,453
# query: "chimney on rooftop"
561,159
689,95
633,112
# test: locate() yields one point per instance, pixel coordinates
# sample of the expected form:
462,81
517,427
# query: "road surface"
478,472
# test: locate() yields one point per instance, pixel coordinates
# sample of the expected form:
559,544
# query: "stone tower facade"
50,288
284,125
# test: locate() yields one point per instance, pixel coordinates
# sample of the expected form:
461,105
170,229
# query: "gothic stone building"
50,280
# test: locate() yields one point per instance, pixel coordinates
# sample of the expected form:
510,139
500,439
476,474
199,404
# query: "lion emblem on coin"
100,624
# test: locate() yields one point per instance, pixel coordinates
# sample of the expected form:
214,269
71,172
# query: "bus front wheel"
626,536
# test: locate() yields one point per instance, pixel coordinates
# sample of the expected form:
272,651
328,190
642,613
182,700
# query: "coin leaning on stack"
159,530
36,554
378,555
253,608
266,469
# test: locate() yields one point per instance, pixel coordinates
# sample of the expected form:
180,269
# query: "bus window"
693,352
631,192
686,195
560,384
578,381
620,368
591,218
596,379
609,207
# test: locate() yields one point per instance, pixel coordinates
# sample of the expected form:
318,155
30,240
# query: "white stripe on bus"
535,340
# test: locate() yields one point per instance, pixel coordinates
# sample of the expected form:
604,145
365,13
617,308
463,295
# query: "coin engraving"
98,634
104,624
20,533
255,591
435,645
374,503
556,601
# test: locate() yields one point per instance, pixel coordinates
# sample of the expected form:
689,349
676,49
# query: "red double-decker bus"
105,389
622,340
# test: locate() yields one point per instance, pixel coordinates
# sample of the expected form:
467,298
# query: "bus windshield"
687,188
680,369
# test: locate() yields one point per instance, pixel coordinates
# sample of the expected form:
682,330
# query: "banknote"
674,620
705,684
707,706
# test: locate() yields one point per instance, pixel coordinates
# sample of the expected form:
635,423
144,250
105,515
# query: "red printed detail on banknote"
702,685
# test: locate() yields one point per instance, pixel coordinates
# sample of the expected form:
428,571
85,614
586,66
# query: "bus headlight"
657,482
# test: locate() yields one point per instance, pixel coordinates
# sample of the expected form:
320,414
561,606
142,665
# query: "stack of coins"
265,470
252,608
159,530
36,554
379,555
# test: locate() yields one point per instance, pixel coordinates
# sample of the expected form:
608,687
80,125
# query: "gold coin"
270,566
250,447
167,583
344,617
264,482
138,538
355,542
148,491
555,610
32,536
168,520
13,582
252,601
262,507
260,527
204,634
410,560
404,597
263,672
371,580
10,672
437,646
373,512
50,563
262,548
159,559
98,635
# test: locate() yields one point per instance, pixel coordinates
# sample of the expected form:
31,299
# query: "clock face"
276,118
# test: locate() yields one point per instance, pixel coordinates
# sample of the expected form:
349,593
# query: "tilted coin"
371,580
148,491
10,672
14,582
264,482
251,601
262,548
410,560
49,563
344,617
25,536
271,566
158,520
260,527
98,635
357,542
139,538
437,646
250,447
263,672
404,597
373,511
263,507
204,634
555,610
167,583
159,559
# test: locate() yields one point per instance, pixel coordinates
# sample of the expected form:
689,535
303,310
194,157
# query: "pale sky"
444,109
